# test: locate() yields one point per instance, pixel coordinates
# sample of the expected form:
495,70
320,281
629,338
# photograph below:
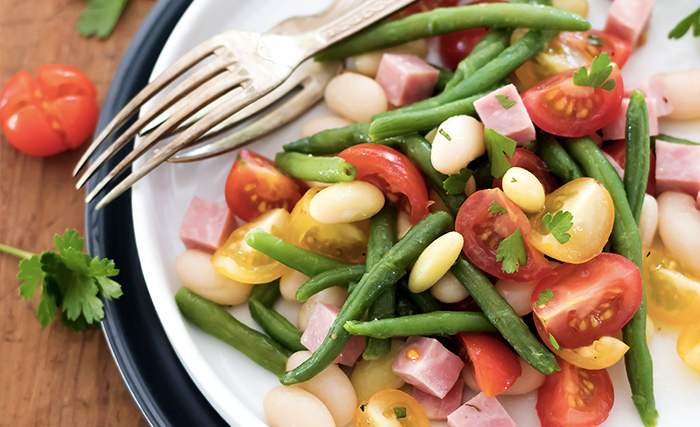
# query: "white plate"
233,384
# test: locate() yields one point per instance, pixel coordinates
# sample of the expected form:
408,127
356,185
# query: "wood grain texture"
52,377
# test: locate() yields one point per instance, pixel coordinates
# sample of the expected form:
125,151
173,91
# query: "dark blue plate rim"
154,375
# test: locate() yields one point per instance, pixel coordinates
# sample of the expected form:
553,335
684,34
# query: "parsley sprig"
498,147
68,279
559,224
496,208
598,76
457,182
544,297
505,102
692,20
511,251
100,17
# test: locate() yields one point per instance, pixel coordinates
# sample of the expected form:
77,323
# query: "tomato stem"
16,252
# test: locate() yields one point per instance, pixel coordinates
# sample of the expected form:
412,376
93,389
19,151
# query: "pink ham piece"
616,128
513,122
654,87
697,201
677,167
206,225
428,366
436,408
481,411
628,18
620,170
406,79
316,331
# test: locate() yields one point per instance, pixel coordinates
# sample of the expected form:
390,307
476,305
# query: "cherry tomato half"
590,300
390,408
483,232
618,152
493,366
423,6
688,346
575,397
393,173
254,186
55,112
560,107
525,159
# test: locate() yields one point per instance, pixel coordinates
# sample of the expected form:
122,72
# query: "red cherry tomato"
618,152
525,159
558,106
575,397
494,367
393,173
483,232
423,6
254,186
55,112
590,300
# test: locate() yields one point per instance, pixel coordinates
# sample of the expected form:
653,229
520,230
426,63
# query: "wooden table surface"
53,377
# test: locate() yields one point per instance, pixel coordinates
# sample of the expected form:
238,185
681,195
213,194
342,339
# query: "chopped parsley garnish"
559,224
445,134
473,406
505,102
692,20
595,41
544,296
598,76
457,182
496,208
512,252
100,17
400,412
498,147
554,342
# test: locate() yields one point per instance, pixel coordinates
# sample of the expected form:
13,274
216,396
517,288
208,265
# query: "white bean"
679,228
323,123
649,220
528,381
290,283
368,63
516,294
430,136
403,224
448,289
435,261
295,407
346,202
199,275
683,93
331,386
460,139
334,295
355,97
524,189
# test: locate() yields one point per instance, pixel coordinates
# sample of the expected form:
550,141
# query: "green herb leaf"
598,76
505,102
496,208
100,17
544,296
473,406
30,273
559,224
400,412
692,20
554,342
457,182
498,146
512,252
595,41
445,134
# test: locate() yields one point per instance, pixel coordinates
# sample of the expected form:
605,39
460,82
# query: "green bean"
504,318
435,323
311,168
448,20
556,158
637,160
626,241
673,139
488,48
404,307
381,276
301,260
482,172
266,293
331,141
214,320
540,2
445,76
341,276
276,326
424,301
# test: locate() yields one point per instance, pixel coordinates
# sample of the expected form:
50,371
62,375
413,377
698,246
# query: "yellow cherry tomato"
390,408
688,346
673,293
593,216
344,242
237,260
372,376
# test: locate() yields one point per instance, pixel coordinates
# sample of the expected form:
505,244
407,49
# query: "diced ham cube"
654,87
597,139
206,225
616,128
428,366
406,79
319,324
513,122
481,411
620,170
628,18
436,408
697,201
677,167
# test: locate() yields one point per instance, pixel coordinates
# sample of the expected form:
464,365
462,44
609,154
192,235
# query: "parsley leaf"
595,41
445,134
554,342
498,146
100,17
505,102
400,412
544,296
496,208
457,182
473,406
512,252
598,77
559,224
692,20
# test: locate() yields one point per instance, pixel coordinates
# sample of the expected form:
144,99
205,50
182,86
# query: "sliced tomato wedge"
618,151
494,366
395,174
525,159
589,300
560,107
254,186
575,397
484,231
